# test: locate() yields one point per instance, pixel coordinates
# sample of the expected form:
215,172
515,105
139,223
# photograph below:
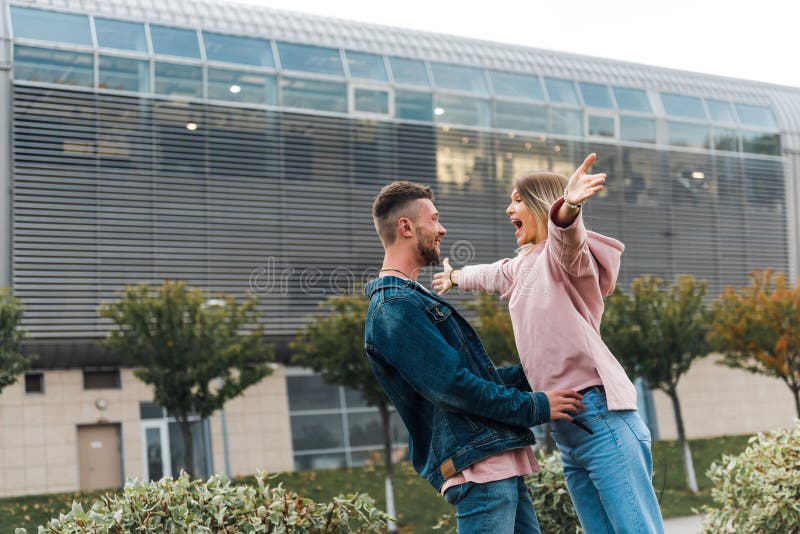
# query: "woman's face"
523,220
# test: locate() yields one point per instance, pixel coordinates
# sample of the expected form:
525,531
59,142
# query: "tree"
657,332
495,329
757,328
180,344
12,362
333,346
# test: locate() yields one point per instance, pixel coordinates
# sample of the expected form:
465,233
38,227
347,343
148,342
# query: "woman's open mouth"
518,225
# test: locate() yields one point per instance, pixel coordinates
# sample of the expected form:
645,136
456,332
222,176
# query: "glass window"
51,26
459,78
323,431
518,116
179,80
319,461
150,410
637,129
371,100
241,50
311,392
632,99
413,105
409,71
34,382
768,144
516,85
309,58
174,41
725,139
755,115
101,379
367,66
596,95
561,91
720,111
124,74
566,122
202,458
460,110
688,134
601,126
365,429
120,34
242,86
314,94
53,66
683,106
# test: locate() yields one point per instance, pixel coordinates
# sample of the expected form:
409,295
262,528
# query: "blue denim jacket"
457,406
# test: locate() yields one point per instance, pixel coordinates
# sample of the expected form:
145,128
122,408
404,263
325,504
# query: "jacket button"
471,336
490,367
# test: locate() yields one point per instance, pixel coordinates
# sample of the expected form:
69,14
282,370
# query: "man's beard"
427,250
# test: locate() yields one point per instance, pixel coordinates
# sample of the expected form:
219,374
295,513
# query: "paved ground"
689,524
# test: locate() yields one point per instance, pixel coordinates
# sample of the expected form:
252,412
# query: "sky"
755,40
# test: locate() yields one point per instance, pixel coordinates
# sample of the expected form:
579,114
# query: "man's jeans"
501,507
609,474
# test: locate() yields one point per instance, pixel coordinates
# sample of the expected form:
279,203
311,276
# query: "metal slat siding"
110,191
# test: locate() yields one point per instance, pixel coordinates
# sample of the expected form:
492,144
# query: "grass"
418,505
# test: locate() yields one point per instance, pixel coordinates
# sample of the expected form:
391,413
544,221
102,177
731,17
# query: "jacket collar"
395,281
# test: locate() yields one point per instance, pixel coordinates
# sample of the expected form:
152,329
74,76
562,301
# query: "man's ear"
405,227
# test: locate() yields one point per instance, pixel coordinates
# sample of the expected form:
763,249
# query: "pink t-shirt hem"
513,463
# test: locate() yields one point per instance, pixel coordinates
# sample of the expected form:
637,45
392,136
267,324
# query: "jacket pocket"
442,317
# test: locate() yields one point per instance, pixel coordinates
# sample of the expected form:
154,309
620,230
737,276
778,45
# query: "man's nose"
442,230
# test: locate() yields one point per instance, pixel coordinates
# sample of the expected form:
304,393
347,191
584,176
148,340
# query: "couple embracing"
469,421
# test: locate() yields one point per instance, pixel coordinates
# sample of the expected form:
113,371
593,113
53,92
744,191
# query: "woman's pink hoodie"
555,294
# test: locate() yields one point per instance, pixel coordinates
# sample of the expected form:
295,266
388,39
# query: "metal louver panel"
112,190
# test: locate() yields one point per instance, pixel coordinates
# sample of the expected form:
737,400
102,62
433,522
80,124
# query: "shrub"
758,490
550,496
184,506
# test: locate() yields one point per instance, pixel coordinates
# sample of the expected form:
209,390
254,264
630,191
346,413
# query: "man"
468,422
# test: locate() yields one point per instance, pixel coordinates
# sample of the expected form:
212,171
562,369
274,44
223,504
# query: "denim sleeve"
404,336
514,377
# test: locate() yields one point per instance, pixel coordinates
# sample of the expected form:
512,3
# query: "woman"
555,288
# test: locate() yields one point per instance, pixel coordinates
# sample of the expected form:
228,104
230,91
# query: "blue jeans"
609,473
500,507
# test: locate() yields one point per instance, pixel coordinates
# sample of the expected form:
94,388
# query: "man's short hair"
393,202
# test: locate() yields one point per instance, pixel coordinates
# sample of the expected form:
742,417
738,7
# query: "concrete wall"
717,400
39,436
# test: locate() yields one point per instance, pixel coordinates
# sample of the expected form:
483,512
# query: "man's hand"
443,281
564,403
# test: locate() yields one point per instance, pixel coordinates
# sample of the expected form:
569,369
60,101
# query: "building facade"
239,149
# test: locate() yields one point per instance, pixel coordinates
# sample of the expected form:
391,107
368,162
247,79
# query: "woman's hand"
443,281
583,186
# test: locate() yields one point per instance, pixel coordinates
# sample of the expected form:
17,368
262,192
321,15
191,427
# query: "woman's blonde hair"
539,191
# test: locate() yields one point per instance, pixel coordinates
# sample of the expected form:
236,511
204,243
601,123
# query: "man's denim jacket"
457,406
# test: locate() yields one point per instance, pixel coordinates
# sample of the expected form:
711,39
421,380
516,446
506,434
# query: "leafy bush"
183,506
758,490
550,496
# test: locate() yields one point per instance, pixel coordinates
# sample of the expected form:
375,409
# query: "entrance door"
157,459
100,456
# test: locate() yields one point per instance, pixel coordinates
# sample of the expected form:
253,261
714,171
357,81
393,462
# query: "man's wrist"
542,406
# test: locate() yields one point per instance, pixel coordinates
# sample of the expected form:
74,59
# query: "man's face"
429,232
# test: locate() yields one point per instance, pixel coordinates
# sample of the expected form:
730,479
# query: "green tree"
180,342
332,345
495,330
657,332
757,328
12,362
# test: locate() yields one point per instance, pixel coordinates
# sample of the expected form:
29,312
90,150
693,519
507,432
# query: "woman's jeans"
609,473
501,507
